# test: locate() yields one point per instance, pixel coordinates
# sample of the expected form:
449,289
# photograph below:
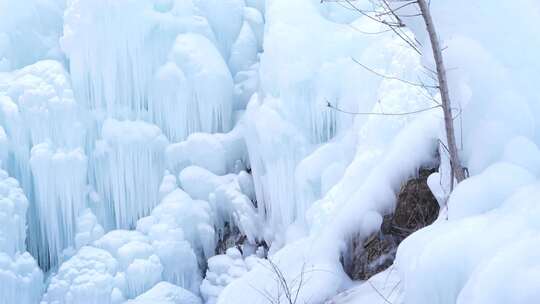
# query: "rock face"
416,208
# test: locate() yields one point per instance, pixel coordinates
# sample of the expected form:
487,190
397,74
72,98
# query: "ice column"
129,163
60,183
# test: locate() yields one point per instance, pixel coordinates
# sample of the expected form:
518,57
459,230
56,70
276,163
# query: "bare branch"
329,105
393,77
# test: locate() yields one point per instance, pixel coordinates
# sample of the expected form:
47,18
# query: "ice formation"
222,270
218,153
148,136
29,31
166,293
129,162
120,265
21,280
45,134
181,228
60,184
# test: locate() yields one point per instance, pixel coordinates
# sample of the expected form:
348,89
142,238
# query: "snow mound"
166,293
60,184
471,274
120,265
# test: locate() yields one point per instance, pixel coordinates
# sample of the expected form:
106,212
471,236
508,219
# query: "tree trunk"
443,88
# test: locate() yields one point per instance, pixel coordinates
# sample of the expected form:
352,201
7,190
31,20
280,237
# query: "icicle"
60,183
127,169
193,92
38,106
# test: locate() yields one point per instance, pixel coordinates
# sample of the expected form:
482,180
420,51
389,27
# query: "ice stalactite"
273,168
104,44
209,85
119,80
37,106
21,279
193,91
19,146
60,196
128,165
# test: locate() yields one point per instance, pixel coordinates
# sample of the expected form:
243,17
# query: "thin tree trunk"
443,87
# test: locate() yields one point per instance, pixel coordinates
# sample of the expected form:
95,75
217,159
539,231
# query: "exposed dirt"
416,208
